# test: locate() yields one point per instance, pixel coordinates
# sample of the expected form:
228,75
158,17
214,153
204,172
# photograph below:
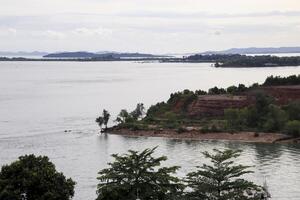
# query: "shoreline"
196,135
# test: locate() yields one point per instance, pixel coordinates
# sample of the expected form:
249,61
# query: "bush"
293,128
293,110
180,130
276,119
171,125
236,118
205,129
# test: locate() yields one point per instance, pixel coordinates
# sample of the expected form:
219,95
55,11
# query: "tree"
275,119
293,128
106,117
123,117
262,102
222,181
103,120
138,112
293,110
236,119
216,90
34,178
137,174
232,89
100,122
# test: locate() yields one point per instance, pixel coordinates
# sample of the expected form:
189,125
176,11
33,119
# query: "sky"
149,26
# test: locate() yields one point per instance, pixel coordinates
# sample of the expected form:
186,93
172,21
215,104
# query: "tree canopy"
103,119
138,174
34,178
222,180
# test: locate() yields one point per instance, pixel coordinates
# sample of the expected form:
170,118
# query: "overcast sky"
154,26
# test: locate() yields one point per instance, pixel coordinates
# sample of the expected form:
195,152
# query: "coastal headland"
267,113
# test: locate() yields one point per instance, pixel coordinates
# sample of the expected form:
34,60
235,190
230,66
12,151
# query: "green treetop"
34,178
222,180
138,175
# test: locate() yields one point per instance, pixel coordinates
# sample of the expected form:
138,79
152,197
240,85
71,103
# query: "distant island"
256,50
84,54
217,60
237,60
259,113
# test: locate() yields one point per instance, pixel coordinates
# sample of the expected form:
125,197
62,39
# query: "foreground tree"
34,178
222,180
138,175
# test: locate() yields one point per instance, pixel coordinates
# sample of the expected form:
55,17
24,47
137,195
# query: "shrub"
293,128
276,119
180,130
293,110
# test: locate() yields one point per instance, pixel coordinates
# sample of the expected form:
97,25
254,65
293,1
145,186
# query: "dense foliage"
265,116
213,57
237,60
222,180
277,80
131,120
261,61
34,178
131,176
138,174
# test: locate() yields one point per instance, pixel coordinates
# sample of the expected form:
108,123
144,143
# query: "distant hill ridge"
84,54
23,53
256,50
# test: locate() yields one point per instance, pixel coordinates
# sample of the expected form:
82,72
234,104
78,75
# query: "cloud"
217,33
92,31
8,32
50,34
151,26
203,14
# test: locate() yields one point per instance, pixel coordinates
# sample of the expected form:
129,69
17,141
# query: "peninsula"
259,113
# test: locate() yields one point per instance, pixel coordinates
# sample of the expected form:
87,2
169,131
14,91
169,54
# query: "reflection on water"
39,100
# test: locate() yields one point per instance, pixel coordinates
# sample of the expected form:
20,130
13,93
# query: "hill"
272,107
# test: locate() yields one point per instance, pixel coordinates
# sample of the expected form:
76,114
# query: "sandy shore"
195,135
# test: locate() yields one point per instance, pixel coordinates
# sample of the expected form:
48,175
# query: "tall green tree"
222,180
138,175
103,119
34,178
123,117
138,112
100,122
106,117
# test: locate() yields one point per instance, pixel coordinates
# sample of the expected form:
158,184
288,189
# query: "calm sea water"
40,100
